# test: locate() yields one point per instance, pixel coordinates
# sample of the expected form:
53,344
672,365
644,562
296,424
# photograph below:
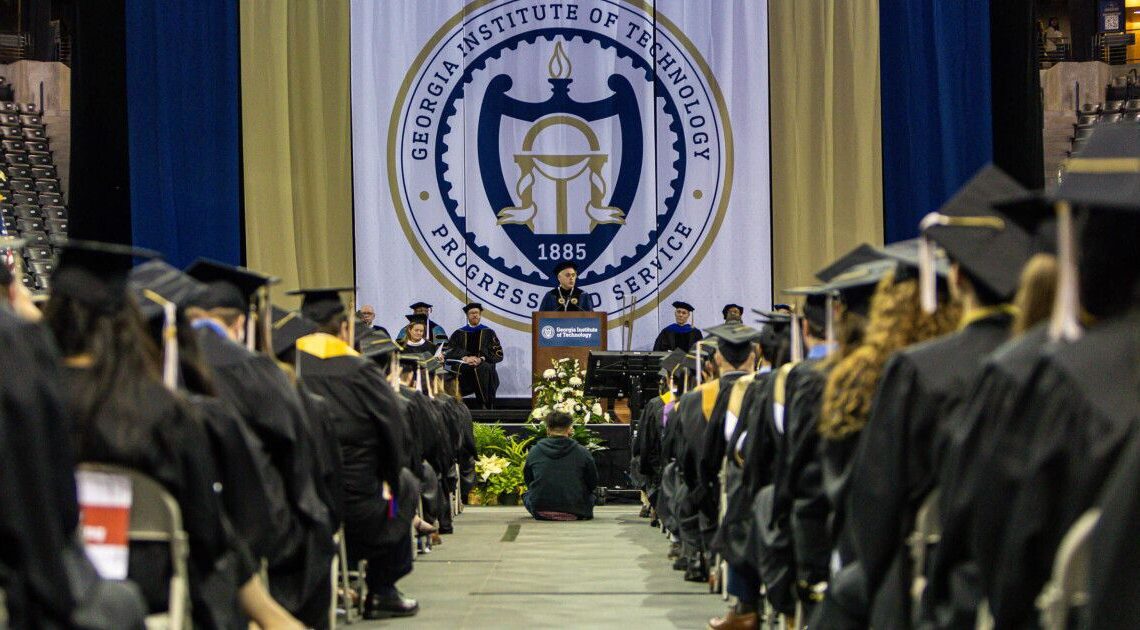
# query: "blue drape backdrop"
936,98
184,135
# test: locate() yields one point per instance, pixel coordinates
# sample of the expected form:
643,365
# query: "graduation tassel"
352,320
829,338
394,371
419,383
797,342
927,287
251,328
1065,322
265,320
169,339
697,360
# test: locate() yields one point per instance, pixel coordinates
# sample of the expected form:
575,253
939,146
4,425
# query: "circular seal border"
702,250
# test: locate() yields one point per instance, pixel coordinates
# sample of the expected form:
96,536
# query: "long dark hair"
124,361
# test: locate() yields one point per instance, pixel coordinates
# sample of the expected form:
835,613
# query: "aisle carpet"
502,569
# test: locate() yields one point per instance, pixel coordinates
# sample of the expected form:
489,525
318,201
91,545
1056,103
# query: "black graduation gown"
253,384
1114,556
246,474
980,463
168,443
38,510
713,448
366,414
736,538
691,417
1085,407
673,338
649,461
774,559
799,479
482,379
330,469
892,472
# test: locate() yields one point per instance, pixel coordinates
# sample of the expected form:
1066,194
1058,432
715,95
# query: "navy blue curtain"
935,87
184,128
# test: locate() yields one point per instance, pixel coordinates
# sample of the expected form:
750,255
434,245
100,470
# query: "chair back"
1068,587
157,518
926,535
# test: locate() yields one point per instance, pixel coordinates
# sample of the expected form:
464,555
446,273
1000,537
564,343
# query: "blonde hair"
1035,292
896,320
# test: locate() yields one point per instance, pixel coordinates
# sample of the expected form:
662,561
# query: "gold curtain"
827,190
296,140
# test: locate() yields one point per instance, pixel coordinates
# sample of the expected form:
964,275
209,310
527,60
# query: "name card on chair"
105,517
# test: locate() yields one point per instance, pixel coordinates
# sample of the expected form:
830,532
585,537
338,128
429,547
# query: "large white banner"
493,139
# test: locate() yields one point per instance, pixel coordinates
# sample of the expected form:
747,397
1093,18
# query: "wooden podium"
564,335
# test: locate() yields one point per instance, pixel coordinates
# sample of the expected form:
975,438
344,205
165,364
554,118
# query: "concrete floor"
607,573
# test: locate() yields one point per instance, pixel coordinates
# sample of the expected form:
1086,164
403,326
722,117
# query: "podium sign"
554,332
564,335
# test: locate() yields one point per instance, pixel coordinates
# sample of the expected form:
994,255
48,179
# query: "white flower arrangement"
561,389
488,465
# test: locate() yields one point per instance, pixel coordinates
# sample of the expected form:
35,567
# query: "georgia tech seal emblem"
527,133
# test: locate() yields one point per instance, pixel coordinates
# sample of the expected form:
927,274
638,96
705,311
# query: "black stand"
623,375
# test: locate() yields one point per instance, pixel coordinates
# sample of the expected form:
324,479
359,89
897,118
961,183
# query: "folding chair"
157,518
1068,586
348,580
926,535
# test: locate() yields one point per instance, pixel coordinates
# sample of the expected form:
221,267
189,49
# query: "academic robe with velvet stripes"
483,379
676,337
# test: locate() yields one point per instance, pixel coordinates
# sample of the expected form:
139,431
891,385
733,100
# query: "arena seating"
1090,114
34,207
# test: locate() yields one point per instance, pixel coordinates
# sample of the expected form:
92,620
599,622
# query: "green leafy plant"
489,438
500,467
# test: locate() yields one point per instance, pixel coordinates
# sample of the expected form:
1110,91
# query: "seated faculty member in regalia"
680,335
566,296
475,349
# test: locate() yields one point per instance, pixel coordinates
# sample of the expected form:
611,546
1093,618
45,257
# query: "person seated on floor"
560,474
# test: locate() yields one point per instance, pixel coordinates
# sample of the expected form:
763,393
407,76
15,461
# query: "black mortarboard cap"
321,305
229,286
288,327
377,344
166,280
1105,174
416,305
417,319
471,305
95,274
684,305
905,254
772,317
733,334
990,247
413,358
861,254
430,362
670,361
566,264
